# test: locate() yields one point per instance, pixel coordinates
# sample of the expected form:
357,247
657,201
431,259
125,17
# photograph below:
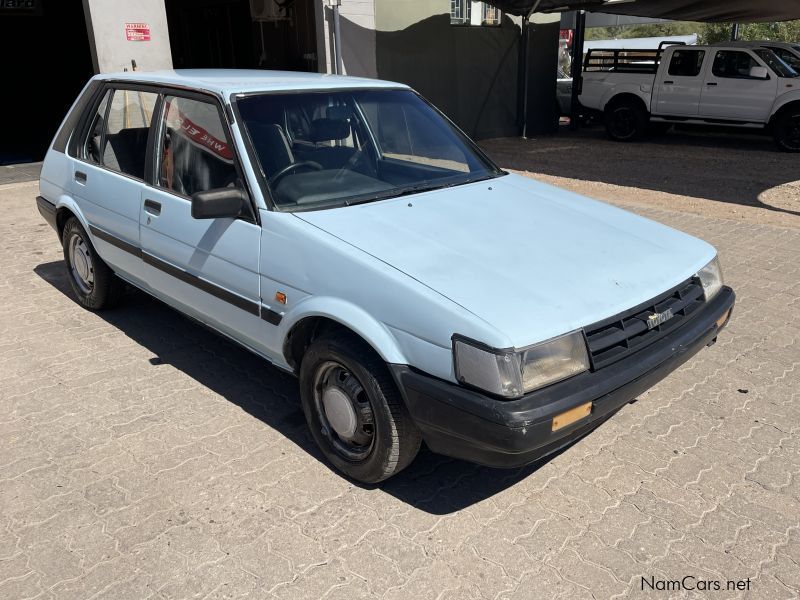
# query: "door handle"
152,207
669,83
711,83
80,176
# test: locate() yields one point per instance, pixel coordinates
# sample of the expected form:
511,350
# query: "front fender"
375,333
783,100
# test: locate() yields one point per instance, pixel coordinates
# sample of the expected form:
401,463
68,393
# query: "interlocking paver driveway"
143,457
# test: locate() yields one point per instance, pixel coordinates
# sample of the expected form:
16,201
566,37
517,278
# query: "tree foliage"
708,33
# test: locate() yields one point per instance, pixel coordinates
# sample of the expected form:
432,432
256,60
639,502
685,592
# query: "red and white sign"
137,32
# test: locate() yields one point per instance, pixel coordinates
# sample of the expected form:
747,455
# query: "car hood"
531,260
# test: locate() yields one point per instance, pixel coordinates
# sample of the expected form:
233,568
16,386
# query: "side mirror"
222,203
759,73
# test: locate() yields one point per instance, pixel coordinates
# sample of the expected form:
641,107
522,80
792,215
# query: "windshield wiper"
417,189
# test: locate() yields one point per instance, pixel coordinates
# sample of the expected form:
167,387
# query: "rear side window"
92,146
686,63
733,64
196,154
117,136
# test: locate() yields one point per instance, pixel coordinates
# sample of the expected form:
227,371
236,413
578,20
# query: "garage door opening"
46,62
243,34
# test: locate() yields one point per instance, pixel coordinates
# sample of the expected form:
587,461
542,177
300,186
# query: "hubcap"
80,263
344,411
340,412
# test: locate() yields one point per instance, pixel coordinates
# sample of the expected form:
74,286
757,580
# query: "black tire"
626,120
82,261
385,440
786,128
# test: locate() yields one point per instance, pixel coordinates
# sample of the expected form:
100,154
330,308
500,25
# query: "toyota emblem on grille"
657,319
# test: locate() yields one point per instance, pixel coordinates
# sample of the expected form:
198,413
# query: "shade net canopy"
732,11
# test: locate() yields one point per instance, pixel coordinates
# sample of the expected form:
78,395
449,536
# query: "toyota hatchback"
349,233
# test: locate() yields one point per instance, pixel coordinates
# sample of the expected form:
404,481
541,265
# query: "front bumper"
466,424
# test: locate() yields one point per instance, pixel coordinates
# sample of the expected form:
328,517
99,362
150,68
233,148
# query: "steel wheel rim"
80,263
623,121
344,410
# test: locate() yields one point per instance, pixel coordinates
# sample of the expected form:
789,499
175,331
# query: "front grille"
619,336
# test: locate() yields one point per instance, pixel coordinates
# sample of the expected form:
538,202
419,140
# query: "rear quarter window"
75,115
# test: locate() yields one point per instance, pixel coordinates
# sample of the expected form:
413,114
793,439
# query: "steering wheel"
293,167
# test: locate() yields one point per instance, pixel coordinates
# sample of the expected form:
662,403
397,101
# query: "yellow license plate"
571,416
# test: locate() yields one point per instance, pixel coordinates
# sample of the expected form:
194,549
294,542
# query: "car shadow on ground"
432,483
723,165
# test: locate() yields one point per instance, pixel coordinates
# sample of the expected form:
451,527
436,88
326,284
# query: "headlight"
511,373
711,278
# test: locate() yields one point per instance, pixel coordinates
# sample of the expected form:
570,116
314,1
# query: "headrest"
325,130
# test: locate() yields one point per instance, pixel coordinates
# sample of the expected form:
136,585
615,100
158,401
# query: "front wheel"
787,129
354,409
626,120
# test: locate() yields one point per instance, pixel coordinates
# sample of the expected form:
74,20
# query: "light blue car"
347,232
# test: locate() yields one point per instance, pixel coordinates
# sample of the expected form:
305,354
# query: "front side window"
779,67
788,57
733,64
196,154
686,63
325,149
117,136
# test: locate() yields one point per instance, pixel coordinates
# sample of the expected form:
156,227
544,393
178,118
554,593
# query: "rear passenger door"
207,267
679,90
109,173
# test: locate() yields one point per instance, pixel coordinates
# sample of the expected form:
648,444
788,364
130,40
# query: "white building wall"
357,19
111,51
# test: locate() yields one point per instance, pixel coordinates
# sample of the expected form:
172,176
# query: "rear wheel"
786,128
354,409
94,283
626,120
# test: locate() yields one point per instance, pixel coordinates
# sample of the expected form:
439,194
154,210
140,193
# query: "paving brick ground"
143,457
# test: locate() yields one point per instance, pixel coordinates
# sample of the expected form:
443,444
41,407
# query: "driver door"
208,267
731,93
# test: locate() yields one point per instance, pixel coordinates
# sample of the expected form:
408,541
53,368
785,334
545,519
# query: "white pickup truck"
718,85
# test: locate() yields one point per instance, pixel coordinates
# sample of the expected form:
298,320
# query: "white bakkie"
732,85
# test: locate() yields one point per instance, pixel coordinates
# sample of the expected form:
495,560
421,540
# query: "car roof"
234,81
757,43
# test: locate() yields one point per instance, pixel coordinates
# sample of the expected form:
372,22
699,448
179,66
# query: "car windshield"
776,64
336,148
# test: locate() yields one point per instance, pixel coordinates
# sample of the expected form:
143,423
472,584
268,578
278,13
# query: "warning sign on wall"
137,32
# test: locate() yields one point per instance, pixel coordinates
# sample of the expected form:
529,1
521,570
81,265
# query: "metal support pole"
577,67
735,32
525,52
337,38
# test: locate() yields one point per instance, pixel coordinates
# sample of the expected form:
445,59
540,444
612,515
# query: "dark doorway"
46,62
243,34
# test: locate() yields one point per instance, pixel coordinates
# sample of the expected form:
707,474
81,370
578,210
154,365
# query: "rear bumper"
466,424
48,210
